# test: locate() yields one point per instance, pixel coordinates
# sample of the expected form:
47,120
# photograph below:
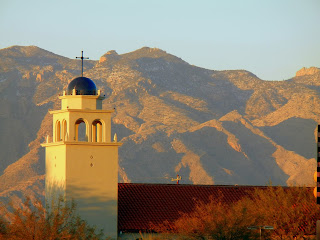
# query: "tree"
34,221
213,220
292,211
3,228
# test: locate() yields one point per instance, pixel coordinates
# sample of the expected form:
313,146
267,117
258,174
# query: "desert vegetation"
292,212
34,221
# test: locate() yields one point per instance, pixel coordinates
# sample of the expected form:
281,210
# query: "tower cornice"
82,97
80,110
81,143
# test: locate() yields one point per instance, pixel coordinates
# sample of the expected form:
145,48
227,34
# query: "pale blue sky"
272,38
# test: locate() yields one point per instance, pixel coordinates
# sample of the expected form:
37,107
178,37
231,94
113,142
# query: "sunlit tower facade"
81,160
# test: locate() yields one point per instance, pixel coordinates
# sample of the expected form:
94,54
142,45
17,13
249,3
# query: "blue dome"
83,86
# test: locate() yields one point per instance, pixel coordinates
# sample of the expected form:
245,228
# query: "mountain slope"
211,127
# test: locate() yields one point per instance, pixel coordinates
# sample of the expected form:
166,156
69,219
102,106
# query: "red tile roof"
139,205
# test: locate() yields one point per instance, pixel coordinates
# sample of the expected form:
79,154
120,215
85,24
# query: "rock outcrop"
307,71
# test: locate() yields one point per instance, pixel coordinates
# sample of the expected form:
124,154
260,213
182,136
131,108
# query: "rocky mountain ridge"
211,127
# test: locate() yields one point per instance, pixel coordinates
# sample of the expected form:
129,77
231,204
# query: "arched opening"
58,132
64,136
97,133
81,131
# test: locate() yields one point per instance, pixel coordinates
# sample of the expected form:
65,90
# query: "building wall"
81,102
92,181
55,183
134,236
86,173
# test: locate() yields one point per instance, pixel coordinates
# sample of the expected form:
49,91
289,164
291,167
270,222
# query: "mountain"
210,127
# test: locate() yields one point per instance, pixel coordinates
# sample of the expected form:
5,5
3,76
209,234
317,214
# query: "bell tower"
81,159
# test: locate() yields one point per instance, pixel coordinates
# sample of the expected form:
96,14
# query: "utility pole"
260,228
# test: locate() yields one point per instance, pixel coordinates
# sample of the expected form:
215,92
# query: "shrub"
292,211
34,221
213,220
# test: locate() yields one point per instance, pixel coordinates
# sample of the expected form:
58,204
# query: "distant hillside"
211,127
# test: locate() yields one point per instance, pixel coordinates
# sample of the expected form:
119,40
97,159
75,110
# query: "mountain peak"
307,71
147,52
25,51
112,52
151,49
110,55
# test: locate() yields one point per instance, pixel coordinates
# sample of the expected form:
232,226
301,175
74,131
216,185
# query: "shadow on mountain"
259,151
295,134
151,161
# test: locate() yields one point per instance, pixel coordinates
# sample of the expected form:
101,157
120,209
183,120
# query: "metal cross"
82,62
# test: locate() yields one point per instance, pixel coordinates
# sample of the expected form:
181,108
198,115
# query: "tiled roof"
139,205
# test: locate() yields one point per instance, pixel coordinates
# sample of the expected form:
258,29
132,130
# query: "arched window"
58,132
81,131
64,136
97,131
